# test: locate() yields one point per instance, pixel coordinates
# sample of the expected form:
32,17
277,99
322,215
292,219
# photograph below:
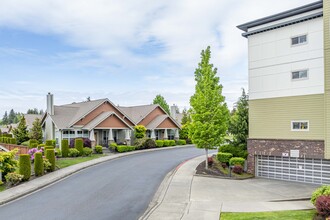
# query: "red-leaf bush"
323,205
210,161
238,169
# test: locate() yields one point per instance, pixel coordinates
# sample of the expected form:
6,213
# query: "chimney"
50,104
173,111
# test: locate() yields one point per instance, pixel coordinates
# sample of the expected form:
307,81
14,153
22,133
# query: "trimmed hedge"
33,145
40,146
181,142
73,152
50,143
87,151
32,141
65,148
38,164
50,155
237,161
98,149
236,151
79,145
167,143
159,143
172,142
224,157
25,166
48,148
12,140
113,146
124,148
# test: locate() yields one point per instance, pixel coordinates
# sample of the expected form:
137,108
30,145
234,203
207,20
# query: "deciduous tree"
209,111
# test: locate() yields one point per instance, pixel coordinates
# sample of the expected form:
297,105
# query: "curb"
27,188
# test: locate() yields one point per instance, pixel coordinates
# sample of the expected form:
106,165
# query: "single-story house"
103,122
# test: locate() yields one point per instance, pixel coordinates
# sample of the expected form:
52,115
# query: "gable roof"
157,121
138,113
30,118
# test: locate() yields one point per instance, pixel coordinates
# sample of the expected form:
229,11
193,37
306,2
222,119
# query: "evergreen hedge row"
25,166
79,145
50,155
65,148
38,164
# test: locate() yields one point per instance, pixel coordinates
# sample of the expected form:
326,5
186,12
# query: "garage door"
293,169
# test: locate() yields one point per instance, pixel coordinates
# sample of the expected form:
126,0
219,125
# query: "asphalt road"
118,189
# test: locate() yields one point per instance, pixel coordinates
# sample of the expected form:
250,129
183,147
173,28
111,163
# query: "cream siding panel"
326,14
271,118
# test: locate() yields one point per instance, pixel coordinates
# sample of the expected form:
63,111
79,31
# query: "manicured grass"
65,162
278,215
2,188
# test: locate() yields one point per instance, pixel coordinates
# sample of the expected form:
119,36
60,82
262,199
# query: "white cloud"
107,34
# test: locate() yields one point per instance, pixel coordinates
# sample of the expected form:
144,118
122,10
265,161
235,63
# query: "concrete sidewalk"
183,195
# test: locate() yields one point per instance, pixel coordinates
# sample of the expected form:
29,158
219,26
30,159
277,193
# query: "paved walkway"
183,195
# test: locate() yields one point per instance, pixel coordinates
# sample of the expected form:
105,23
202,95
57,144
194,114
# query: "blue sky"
127,51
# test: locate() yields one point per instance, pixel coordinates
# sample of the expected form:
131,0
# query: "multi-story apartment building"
289,94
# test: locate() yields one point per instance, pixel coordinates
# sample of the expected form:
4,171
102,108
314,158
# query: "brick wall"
275,147
21,149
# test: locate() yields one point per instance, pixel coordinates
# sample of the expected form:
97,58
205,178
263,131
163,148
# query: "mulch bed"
213,171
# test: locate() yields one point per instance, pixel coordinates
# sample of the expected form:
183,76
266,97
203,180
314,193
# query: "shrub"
8,163
321,191
13,141
58,152
79,145
50,143
172,142
113,146
50,155
33,141
87,151
73,152
224,157
47,164
87,142
38,164
65,148
149,143
159,143
13,178
33,145
210,161
48,148
167,143
140,131
40,146
238,169
1,183
32,151
236,151
181,142
236,161
139,143
322,205
98,149
25,166
124,148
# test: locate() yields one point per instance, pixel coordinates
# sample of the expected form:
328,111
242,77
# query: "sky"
128,51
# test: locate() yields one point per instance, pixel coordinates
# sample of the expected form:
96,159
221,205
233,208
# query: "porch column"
92,138
110,137
127,137
165,134
176,136
153,136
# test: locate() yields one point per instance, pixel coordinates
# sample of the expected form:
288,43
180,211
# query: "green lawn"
61,163
2,188
278,215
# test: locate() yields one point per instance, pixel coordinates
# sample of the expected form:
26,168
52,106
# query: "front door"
105,136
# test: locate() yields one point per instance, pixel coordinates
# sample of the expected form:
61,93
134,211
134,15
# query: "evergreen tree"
184,131
5,119
160,100
11,116
239,122
36,131
209,111
21,132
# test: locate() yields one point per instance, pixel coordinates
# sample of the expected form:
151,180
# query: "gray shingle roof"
138,113
30,118
154,123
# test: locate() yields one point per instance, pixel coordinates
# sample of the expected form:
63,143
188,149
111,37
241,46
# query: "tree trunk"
207,156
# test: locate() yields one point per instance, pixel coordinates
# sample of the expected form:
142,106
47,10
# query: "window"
299,40
301,74
300,126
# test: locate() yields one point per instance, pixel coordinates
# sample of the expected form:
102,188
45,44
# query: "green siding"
271,118
326,17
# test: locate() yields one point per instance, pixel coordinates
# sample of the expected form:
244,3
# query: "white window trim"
302,121
299,79
299,44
